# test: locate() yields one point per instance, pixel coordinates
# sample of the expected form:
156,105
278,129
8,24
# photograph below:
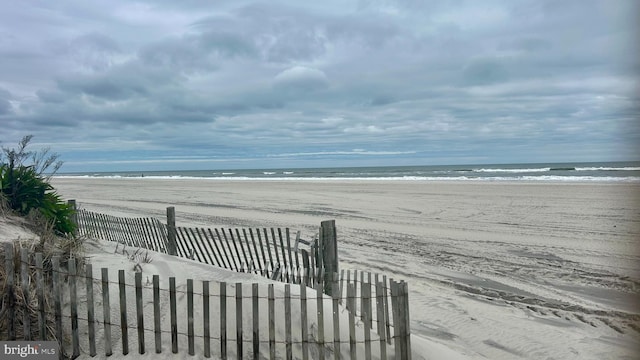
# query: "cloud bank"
115,85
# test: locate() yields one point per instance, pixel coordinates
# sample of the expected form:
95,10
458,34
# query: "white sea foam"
629,168
544,178
512,170
584,172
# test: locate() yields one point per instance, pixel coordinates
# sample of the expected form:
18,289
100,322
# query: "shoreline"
488,180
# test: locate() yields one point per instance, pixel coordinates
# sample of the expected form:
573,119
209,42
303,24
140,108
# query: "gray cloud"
240,79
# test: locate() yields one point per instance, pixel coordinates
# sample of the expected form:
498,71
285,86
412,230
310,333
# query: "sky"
115,85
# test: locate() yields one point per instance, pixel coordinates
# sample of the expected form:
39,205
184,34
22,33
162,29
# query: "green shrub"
26,188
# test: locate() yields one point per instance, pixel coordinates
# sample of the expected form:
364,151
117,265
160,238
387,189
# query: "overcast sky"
124,85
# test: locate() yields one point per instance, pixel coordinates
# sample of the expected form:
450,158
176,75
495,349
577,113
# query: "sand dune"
495,270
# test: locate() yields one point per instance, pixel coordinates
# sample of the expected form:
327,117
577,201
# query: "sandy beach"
496,270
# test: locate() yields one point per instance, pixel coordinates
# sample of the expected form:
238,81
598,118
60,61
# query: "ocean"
549,172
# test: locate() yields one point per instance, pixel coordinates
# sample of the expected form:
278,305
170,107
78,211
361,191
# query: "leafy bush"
26,188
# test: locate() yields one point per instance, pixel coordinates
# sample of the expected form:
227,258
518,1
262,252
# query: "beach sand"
495,270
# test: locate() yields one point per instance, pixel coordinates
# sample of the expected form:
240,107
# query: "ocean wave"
527,170
542,178
602,168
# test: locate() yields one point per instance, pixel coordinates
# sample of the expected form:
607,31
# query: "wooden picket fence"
268,252
367,315
147,233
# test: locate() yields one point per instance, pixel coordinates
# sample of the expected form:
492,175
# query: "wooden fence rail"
257,320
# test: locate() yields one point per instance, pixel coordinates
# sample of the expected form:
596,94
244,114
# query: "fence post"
328,245
74,215
171,231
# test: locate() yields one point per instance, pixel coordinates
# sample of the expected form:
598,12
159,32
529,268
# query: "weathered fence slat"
223,320
42,315
295,249
256,321
307,268
239,333
387,321
336,327
303,322
320,305
406,320
287,322
266,240
57,298
139,312
275,247
312,268
10,268
190,323
341,291
363,301
272,323
90,309
24,272
207,319
263,262
174,315
366,315
156,314
123,313
351,293
395,308
106,311
381,317
283,264
290,265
